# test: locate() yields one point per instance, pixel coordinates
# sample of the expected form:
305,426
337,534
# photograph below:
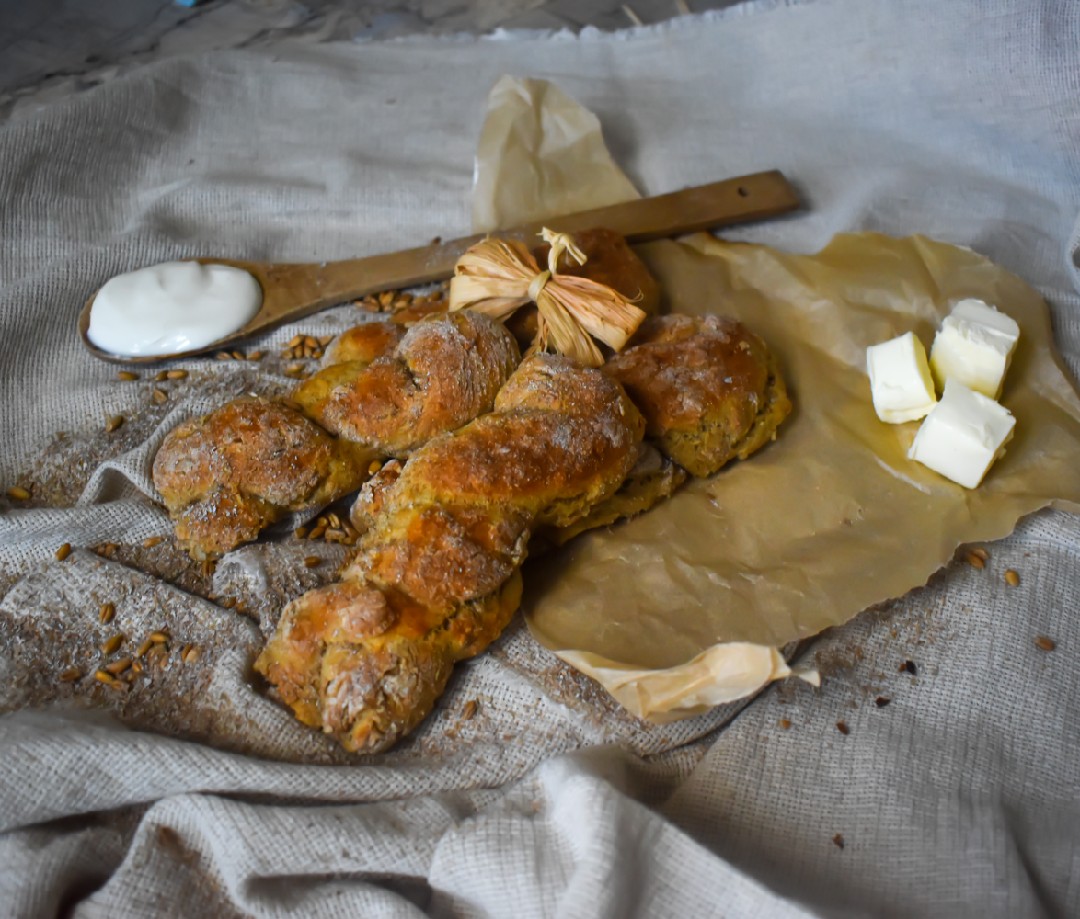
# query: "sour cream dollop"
171,308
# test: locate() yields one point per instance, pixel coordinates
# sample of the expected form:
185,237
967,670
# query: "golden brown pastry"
444,372
653,479
227,475
365,343
708,387
230,474
435,578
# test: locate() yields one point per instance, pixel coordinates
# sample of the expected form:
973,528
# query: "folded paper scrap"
720,674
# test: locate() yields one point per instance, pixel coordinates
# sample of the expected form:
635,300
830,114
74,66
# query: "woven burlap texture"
952,791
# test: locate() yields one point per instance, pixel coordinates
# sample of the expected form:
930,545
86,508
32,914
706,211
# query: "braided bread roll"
226,476
710,390
444,372
436,576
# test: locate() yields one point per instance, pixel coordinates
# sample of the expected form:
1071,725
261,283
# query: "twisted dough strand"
227,475
436,577
444,372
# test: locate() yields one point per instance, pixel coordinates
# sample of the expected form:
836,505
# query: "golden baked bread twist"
227,475
436,576
710,390
444,372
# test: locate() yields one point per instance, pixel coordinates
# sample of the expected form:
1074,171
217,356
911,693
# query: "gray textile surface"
958,797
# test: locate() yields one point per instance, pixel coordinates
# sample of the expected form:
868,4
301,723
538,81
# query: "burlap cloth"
952,790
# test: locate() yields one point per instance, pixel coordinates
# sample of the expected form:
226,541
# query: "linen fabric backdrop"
960,121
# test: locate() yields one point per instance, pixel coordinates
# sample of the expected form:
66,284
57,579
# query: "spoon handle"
296,290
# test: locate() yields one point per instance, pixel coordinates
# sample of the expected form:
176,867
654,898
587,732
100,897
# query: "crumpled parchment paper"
541,154
687,606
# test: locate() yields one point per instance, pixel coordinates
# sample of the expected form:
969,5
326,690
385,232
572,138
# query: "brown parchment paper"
686,606
832,517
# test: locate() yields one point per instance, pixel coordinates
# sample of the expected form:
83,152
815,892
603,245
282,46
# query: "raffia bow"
498,276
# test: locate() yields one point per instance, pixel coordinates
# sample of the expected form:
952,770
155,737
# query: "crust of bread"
653,479
230,473
365,343
436,576
709,388
444,371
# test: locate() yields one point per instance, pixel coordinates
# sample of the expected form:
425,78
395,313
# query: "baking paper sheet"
686,606
539,154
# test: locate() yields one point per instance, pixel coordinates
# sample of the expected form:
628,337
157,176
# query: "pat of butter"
900,382
974,346
963,435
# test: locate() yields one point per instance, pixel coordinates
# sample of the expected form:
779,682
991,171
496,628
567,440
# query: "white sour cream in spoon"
171,308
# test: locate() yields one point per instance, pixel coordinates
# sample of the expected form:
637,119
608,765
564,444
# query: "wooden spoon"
292,291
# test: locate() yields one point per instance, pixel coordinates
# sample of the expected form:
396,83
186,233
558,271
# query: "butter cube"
900,381
963,435
974,346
